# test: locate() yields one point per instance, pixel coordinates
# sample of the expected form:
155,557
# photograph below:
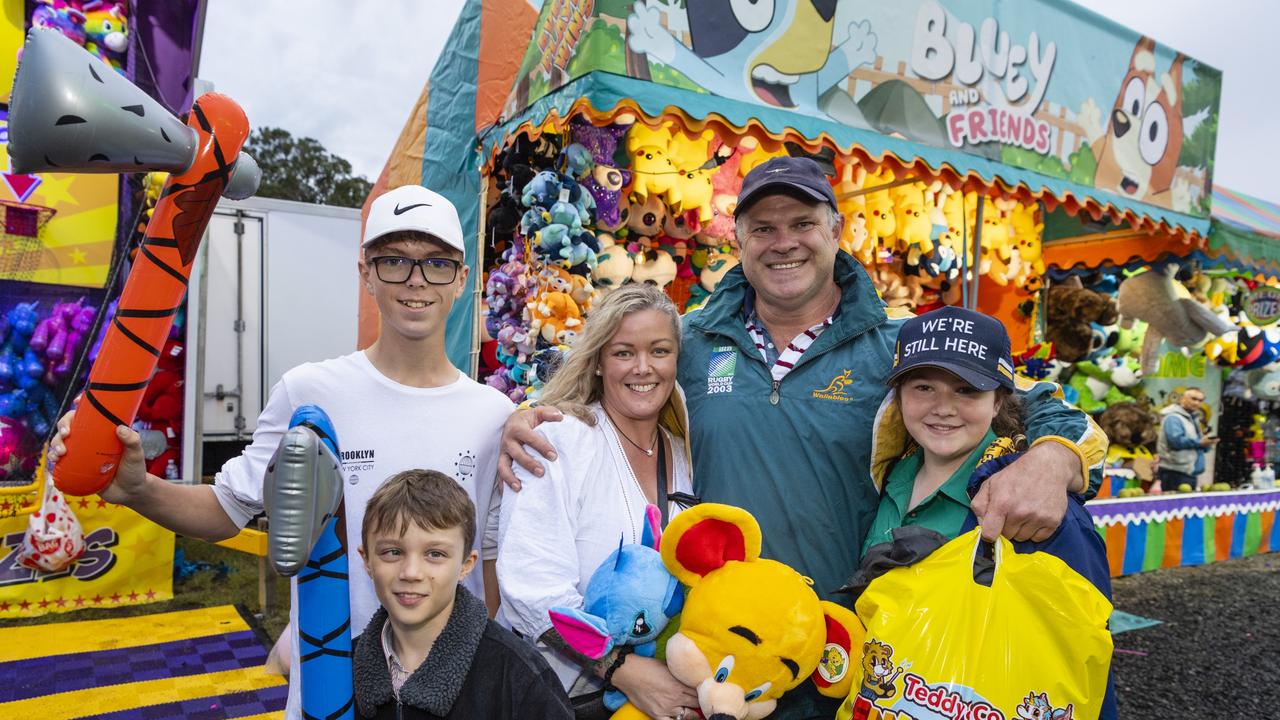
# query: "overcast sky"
347,73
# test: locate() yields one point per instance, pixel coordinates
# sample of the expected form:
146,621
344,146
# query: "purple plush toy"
605,181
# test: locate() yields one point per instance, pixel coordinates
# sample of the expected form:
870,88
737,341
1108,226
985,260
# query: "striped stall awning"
1246,212
1244,234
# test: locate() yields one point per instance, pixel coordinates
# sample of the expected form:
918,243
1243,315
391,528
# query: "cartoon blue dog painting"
777,52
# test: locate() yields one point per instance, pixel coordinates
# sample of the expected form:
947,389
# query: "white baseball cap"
417,209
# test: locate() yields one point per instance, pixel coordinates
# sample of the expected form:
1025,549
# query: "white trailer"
274,286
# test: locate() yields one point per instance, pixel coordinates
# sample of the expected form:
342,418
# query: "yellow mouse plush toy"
751,629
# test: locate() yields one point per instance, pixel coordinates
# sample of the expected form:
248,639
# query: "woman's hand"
649,686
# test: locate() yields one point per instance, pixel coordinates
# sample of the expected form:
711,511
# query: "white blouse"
558,528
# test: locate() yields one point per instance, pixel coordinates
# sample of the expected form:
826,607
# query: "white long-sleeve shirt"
557,530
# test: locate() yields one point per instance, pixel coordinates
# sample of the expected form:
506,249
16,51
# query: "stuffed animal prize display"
578,214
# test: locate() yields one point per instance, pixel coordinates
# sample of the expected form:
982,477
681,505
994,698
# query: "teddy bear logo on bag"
878,671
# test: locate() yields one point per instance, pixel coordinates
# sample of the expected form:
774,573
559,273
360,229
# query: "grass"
205,588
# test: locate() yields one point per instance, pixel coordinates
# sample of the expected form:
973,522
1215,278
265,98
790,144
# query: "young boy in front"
431,650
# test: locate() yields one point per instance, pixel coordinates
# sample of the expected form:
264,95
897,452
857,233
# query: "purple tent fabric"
163,44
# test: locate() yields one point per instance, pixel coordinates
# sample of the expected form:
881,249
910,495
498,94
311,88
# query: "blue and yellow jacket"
798,454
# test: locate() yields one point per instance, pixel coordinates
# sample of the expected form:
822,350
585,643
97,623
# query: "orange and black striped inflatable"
152,295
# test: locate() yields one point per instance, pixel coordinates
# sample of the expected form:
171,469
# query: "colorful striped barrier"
1114,480
1161,531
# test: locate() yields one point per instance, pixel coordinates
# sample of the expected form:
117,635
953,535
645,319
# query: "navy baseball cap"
799,175
966,343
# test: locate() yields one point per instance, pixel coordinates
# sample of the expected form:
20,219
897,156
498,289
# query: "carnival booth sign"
127,560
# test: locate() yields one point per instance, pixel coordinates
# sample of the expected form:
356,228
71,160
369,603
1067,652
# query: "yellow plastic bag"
941,646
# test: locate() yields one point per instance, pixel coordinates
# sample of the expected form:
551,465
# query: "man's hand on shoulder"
519,437
1028,499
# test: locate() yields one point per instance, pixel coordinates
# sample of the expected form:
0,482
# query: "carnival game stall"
68,242
907,130
611,141
1231,273
650,161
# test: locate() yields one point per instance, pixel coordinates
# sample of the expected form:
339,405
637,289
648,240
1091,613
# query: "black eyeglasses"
396,269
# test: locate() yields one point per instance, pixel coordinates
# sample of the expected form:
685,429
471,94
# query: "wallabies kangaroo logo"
835,389
878,672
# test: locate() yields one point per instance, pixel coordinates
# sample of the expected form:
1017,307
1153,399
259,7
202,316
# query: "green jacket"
798,456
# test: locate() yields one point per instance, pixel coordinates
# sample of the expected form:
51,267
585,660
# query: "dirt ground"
1217,653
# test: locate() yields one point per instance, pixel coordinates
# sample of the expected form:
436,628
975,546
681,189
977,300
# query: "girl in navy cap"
952,391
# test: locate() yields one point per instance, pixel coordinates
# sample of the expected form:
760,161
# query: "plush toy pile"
99,26
577,214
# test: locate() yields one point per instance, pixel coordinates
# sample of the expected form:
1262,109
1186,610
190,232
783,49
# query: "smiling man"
397,405
784,369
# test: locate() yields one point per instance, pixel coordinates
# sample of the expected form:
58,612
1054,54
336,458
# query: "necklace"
638,446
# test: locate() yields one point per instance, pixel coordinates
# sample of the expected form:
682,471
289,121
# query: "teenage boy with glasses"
398,405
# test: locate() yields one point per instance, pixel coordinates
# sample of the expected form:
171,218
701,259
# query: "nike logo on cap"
402,210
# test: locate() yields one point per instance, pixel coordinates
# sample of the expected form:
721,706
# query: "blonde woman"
620,448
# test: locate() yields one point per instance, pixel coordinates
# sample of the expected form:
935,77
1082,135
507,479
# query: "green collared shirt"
944,511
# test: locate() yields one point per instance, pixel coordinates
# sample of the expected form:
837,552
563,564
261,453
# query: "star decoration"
115,598
24,605
4,606
102,503
82,503
56,190
97,599
151,594
44,603
133,596
79,601
141,546
60,602
78,257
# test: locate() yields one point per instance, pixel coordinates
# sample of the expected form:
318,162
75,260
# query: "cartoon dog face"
1139,151
752,629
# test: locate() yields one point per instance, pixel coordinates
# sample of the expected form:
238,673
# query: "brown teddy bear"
1129,424
1069,311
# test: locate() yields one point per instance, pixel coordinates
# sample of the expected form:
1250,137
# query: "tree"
301,169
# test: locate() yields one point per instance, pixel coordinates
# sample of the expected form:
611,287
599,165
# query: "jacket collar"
435,685
860,307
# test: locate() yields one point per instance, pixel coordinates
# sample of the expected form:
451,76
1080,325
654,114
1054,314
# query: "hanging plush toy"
854,237
614,266
652,171
882,228
751,628
555,317
1170,313
605,181
645,217
718,265
726,183
629,601
692,189
912,222
62,16
106,30
654,267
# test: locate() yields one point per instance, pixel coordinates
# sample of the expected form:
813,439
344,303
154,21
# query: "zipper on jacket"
773,396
